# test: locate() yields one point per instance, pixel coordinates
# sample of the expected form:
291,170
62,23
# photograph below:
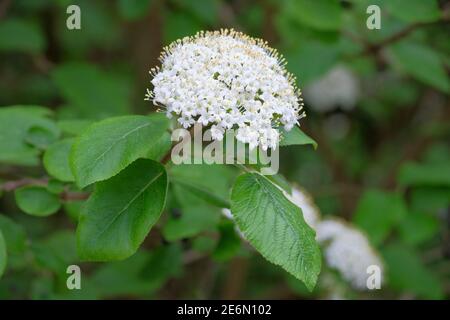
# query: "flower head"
226,79
347,250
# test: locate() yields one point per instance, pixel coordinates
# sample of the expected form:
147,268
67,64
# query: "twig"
15,184
375,48
65,195
74,196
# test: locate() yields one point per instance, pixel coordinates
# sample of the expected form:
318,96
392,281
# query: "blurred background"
377,103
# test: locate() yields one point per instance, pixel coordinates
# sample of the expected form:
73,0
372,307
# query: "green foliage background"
385,165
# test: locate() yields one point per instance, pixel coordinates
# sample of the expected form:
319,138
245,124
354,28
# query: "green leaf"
37,201
319,14
41,137
121,211
90,92
3,256
406,273
378,212
204,10
15,123
133,9
109,146
296,137
421,62
56,160
191,214
211,183
229,242
73,127
414,10
20,35
56,252
415,174
325,56
193,220
14,234
179,25
418,227
275,227
160,147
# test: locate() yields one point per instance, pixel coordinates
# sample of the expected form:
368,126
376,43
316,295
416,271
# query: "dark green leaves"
275,227
296,137
421,62
108,146
407,273
90,92
432,174
17,140
37,201
14,234
378,212
121,211
133,9
319,14
414,10
20,35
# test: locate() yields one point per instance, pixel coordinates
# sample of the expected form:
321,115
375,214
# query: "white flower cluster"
338,88
227,80
348,251
346,248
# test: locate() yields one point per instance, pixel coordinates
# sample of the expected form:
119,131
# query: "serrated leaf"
296,137
37,201
121,211
275,227
109,146
56,160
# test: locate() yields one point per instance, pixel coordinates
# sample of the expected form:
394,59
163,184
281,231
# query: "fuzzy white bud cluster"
338,88
348,251
227,80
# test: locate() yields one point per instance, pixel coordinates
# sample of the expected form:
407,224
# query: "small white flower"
227,80
347,250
